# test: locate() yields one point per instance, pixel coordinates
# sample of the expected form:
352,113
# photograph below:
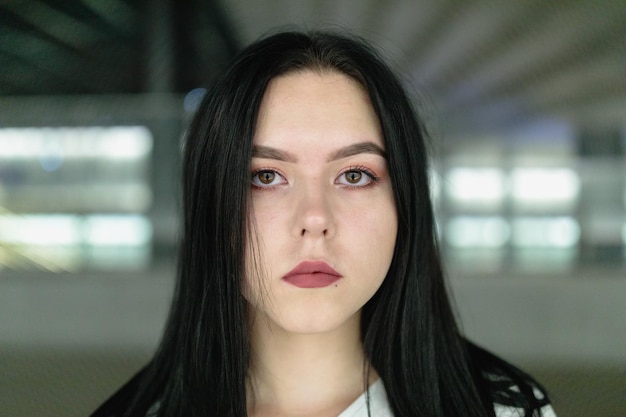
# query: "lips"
312,274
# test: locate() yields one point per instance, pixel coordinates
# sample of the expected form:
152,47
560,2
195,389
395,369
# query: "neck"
305,374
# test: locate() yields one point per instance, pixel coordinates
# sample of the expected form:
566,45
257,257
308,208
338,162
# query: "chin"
310,328
319,324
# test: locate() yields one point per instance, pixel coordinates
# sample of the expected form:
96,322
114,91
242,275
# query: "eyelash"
261,170
374,179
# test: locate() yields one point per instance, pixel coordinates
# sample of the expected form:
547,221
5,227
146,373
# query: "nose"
314,213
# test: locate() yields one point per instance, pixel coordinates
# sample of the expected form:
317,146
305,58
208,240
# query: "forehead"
312,103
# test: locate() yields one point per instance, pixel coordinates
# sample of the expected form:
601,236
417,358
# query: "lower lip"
316,280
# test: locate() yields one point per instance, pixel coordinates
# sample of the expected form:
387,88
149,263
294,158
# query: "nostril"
305,231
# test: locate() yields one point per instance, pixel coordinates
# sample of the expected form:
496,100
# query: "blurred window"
545,188
476,187
531,201
75,198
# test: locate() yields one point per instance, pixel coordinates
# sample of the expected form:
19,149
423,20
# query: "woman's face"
322,204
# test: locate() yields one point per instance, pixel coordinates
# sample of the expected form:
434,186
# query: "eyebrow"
268,152
357,148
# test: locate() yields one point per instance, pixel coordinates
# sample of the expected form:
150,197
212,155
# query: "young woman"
310,282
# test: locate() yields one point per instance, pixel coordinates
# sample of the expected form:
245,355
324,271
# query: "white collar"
379,406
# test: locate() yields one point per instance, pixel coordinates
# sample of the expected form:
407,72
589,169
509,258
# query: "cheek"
387,230
265,219
377,221
253,263
253,287
374,235
249,286
258,254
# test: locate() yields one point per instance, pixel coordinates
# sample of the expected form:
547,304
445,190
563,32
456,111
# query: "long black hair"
408,329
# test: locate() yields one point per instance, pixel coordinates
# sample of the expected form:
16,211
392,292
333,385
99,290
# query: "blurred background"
526,105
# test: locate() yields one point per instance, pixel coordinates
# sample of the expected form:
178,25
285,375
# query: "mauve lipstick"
312,274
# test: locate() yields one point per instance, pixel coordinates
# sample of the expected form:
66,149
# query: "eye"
357,177
353,177
267,178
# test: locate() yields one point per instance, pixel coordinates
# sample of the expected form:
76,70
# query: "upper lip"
312,267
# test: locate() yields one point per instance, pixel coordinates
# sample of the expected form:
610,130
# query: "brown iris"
266,177
353,177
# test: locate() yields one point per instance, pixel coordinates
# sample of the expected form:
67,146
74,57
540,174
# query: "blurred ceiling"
476,61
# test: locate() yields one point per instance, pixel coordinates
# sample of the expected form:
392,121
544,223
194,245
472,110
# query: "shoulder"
119,403
512,391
